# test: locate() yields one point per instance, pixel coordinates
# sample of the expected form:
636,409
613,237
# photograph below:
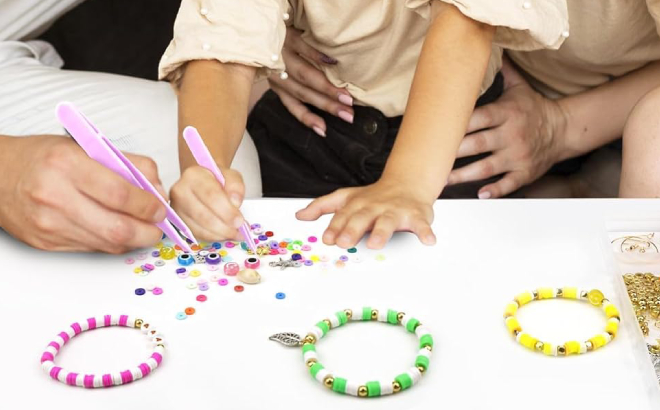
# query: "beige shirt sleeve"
523,25
654,10
248,32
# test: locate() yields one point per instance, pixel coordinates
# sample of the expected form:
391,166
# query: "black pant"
296,162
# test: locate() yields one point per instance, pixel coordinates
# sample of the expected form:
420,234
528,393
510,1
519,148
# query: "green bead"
308,347
290,246
422,361
323,326
352,250
366,313
404,380
392,316
342,317
426,340
297,242
316,367
412,324
339,385
373,388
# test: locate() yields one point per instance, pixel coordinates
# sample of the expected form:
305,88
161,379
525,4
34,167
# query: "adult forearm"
598,116
449,75
214,98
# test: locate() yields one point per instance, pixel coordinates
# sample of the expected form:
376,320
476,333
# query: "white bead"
98,381
334,320
386,388
310,354
274,57
204,11
404,320
422,331
47,366
607,336
286,16
84,325
527,5
415,375
58,339
100,321
425,352
70,332
150,287
137,373
51,350
152,363
206,46
357,314
555,350
80,380
565,34
160,350
518,336
145,327
130,322
61,376
352,387
316,331
114,320
382,315
321,375
116,378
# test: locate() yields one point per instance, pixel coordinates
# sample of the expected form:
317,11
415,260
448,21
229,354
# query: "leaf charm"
287,339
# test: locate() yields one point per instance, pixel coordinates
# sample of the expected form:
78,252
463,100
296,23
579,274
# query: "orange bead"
190,311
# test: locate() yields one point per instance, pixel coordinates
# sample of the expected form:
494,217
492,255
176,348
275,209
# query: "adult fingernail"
346,116
160,214
318,131
328,60
238,222
430,239
344,239
328,237
484,195
235,200
345,99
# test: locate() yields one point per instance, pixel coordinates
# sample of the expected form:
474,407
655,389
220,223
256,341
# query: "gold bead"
418,324
399,316
421,369
138,323
161,345
396,387
560,292
310,362
349,313
374,314
362,391
539,346
429,348
583,294
535,294
561,350
311,339
590,346
328,322
328,381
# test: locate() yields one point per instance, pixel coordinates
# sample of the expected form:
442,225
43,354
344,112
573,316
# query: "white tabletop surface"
221,357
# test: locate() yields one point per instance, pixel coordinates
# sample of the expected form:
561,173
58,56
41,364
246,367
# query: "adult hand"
54,197
210,210
523,131
307,84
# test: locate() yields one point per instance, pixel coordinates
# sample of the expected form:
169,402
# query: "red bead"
269,233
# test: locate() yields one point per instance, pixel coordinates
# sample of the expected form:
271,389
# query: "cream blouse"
377,42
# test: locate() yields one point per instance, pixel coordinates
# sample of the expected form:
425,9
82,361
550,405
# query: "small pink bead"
306,248
229,245
126,376
282,251
223,282
47,357
157,291
129,261
88,381
312,239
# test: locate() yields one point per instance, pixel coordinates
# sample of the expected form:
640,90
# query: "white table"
487,252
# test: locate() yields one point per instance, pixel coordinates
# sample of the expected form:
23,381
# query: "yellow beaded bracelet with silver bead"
595,297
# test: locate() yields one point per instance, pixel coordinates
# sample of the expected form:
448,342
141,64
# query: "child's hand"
381,208
208,209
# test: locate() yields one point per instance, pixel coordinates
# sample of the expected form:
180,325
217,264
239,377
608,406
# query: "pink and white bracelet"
90,381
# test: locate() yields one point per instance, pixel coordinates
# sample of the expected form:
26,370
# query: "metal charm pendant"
287,339
283,264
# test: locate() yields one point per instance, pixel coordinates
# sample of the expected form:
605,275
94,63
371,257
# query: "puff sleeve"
654,10
249,32
523,25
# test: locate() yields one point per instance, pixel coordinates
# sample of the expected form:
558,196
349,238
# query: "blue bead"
262,237
296,257
217,245
155,254
185,259
181,270
280,295
140,291
181,316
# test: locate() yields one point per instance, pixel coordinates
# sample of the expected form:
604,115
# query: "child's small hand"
381,208
208,209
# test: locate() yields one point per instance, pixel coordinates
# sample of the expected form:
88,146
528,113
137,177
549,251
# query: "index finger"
487,116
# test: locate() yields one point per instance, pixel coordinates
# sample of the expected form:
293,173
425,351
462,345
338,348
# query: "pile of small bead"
372,388
595,297
108,379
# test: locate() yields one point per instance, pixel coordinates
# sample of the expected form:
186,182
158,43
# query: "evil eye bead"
213,258
252,263
185,259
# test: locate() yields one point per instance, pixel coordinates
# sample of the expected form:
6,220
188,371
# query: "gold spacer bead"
328,322
561,350
429,348
535,294
349,313
539,346
311,339
396,387
611,334
328,381
584,294
374,314
399,316
590,346
417,325
161,345
362,391
138,323
560,292
421,369
516,332
310,362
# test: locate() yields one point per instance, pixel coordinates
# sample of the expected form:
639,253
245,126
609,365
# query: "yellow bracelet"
595,297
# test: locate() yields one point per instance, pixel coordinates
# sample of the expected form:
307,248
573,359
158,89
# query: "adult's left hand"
524,132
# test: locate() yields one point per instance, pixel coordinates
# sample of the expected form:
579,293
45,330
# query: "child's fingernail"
235,200
346,116
346,99
484,195
328,60
238,222
319,131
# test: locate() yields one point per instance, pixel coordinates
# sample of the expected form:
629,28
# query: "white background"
487,252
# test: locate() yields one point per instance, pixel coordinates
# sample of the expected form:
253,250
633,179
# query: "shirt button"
370,127
204,11
527,5
565,34
286,16
206,46
274,57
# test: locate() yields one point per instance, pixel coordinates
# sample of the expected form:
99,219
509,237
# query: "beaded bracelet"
595,297
109,379
372,388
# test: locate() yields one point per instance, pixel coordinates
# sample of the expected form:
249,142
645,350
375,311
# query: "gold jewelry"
639,243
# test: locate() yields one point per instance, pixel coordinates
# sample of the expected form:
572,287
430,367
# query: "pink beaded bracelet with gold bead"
109,379
595,297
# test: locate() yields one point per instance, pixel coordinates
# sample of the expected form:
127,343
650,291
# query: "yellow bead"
611,311
315,258
223,252
195,273
572,348
612,327
548,349
524,298
512,324
546,293
570,293
167,253
511,309
598,341
528,341
137,270
595,297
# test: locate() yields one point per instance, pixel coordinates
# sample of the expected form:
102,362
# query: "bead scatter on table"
595,297
341,385
108,379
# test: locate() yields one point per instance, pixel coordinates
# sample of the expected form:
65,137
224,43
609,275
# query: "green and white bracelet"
372,388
